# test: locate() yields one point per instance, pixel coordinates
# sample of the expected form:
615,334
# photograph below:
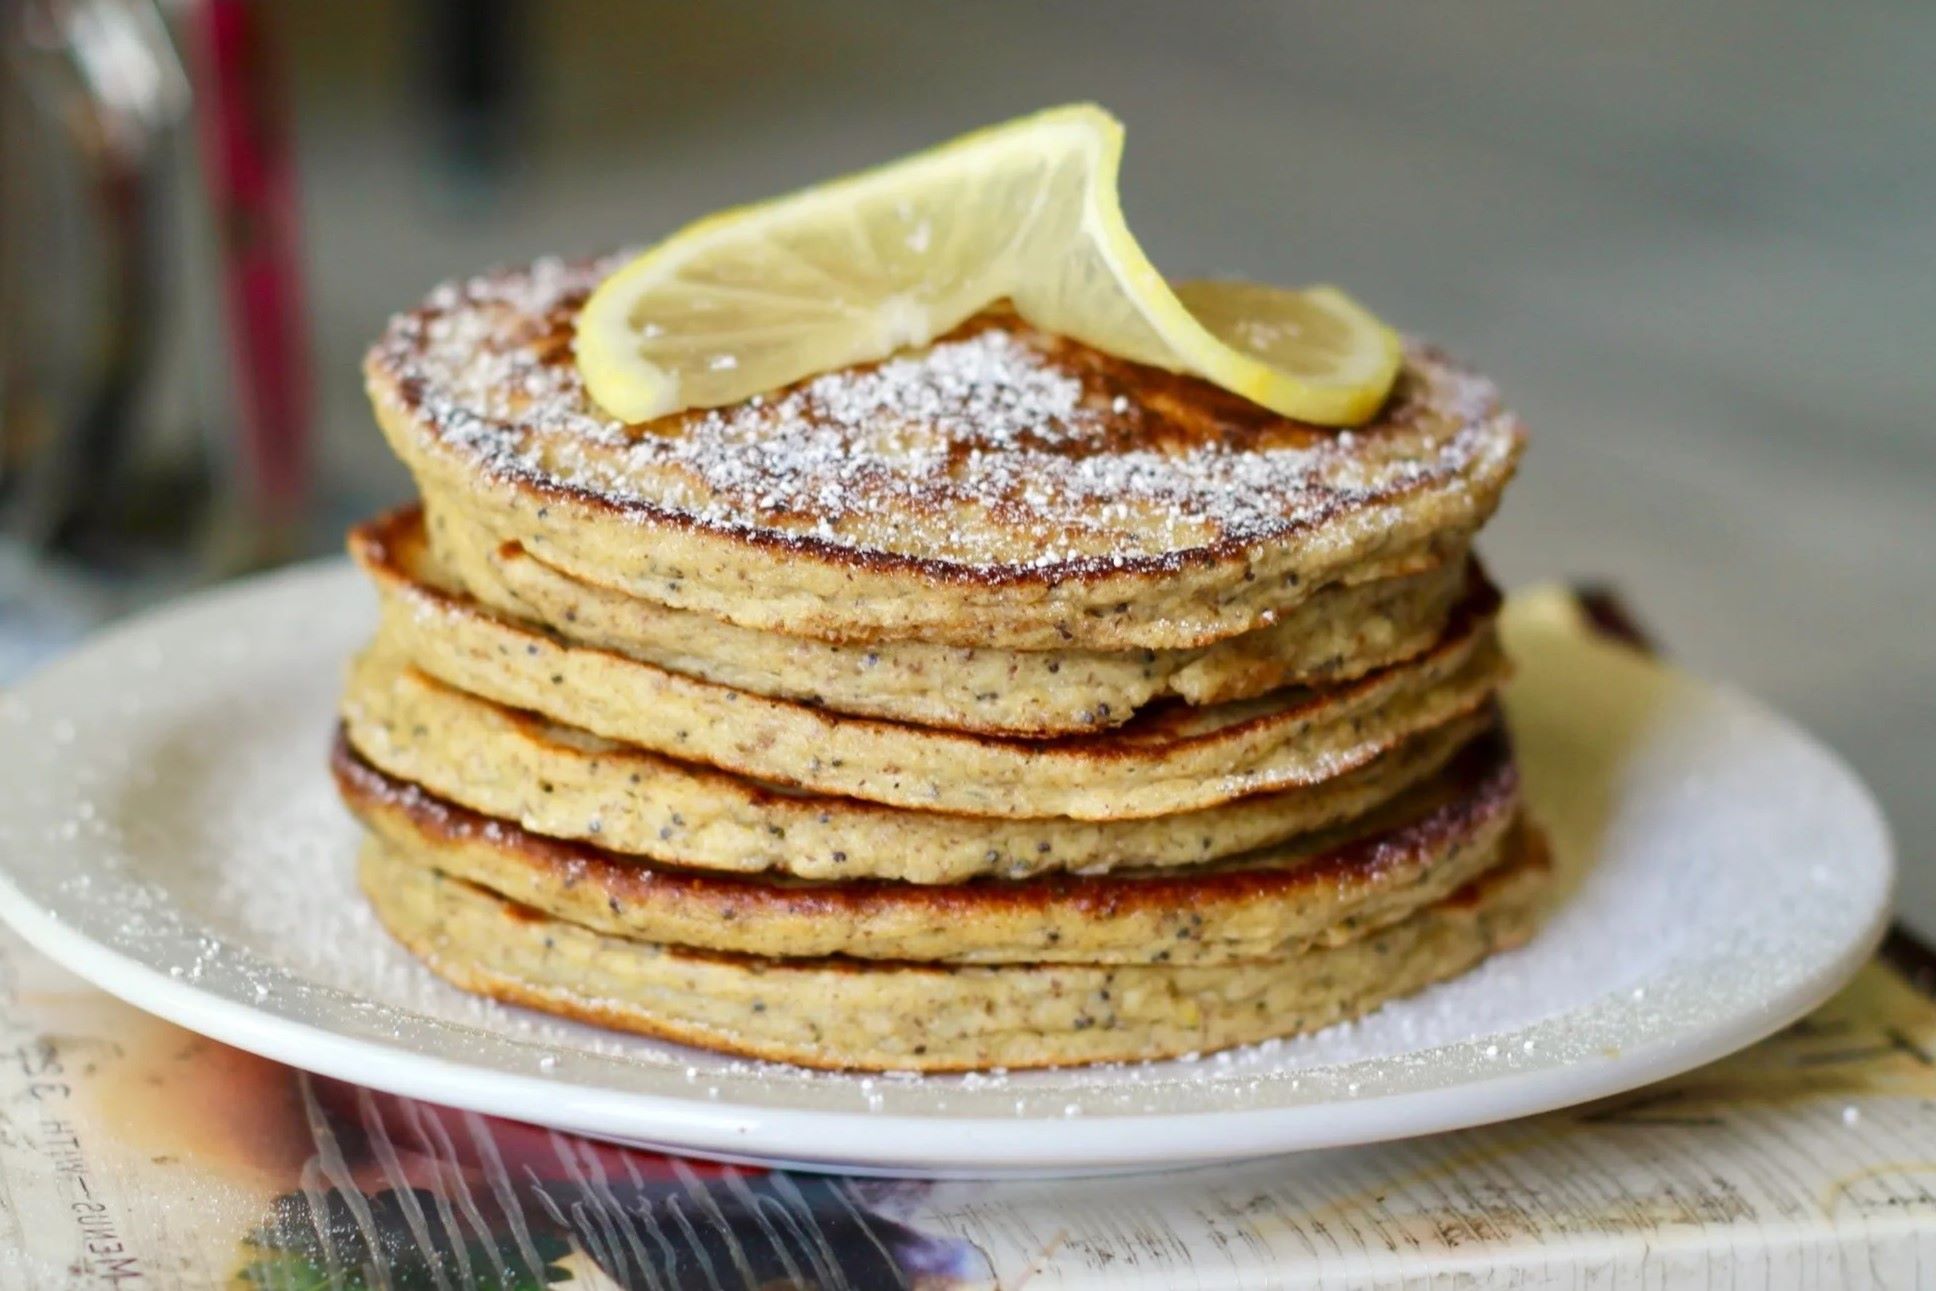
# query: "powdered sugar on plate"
169,828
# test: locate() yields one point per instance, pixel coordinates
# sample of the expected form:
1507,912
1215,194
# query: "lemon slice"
851,271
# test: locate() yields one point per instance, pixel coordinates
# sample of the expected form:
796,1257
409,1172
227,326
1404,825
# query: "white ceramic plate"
168,832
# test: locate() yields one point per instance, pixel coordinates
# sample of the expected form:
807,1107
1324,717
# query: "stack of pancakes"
1003,704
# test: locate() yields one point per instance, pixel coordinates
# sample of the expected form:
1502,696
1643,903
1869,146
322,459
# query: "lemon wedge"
850,271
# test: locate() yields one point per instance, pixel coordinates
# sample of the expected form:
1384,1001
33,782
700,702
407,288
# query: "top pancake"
1000,487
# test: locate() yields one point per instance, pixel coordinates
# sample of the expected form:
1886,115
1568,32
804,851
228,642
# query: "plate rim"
909,1143
970,1146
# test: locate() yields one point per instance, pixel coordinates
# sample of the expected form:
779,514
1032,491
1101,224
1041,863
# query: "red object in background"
250,173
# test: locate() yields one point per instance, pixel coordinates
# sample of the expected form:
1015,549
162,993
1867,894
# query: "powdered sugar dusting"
996,445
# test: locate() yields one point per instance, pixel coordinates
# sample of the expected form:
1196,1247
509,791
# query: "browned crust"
1526,850
1480,786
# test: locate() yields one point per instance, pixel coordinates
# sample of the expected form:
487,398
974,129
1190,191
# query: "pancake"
1339,633
564,783
999,488
887,1015
1173,759
1314,891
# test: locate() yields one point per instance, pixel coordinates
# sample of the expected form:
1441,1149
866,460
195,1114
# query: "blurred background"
1695,240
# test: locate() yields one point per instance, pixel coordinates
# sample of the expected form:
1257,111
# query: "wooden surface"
1695,240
